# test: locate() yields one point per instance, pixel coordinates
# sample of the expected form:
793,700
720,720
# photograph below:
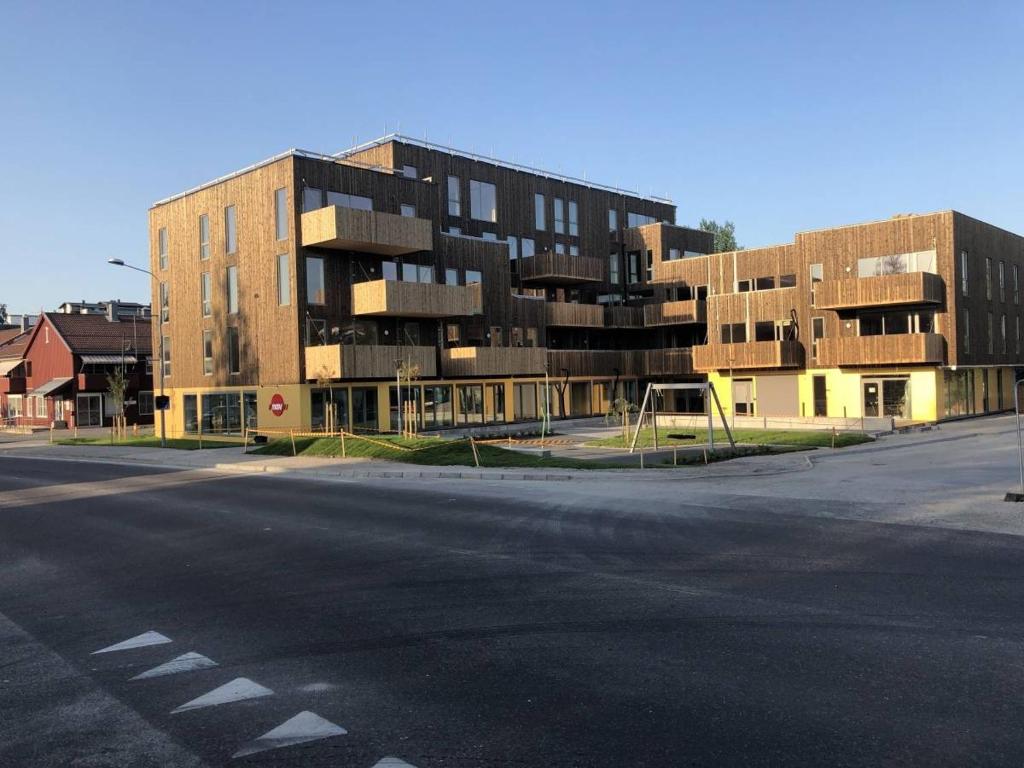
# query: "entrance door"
871,398
820,397
90,411
743,397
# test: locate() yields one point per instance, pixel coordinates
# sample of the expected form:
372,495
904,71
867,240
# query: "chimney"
112,307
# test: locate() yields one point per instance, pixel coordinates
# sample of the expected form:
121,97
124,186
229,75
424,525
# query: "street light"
163,418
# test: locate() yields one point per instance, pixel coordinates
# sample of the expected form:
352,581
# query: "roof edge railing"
402,138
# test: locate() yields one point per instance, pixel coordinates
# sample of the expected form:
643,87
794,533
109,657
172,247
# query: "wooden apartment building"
309,279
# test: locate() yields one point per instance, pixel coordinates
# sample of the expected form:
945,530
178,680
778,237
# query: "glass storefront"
437,406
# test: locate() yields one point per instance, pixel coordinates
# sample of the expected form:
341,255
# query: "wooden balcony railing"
676,313
561,268
560,313
12,385
669,362
366,361
391,298
880,291
751,354
596,362
492,361
351,229
893,349
623,317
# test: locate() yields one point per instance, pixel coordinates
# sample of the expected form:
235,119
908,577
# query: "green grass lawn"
429,451
786,437
179,443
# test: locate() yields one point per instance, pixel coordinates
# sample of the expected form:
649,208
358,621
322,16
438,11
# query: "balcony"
595,362
561,269
12,385
366,361
893,349
623,317
668,362
390,298
676,313
748,355
492,361
92,382
880,291
560,313
350,229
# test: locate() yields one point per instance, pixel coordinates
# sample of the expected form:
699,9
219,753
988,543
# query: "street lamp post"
160,334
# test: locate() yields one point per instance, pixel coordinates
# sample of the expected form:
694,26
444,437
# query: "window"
483,201
437,406
744,286
453,334
457,231
316,332
207,353
451,276
817,333
574,250
489,236
425,273
389,270
167,356
145,403
963,273
314,280
232,286
471,403
281,213
165,303
560,248
633,264
988,280
234,351
613,269
1002,333
613,220
764,284
230,230
734,333
559,216
991,335
673,254
284,283
817,273
204,237
574,219
312,199
787,281
650,266
513,248
1002,281
162,247
410,273
524,401
343,200
539,221
764,330
454,197
408,210
638,219
528,247
967,330
206,293
1016,285
473,277
409,171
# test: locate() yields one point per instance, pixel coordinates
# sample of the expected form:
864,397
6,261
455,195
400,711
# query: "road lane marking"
187,662
67,492
239,689
392,762
139,641
304,727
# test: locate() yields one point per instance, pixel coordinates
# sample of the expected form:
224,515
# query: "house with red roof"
57,372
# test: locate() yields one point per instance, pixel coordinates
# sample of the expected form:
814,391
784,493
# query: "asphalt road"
477,624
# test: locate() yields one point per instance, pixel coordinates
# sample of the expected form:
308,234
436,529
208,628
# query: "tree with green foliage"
117,387
725,235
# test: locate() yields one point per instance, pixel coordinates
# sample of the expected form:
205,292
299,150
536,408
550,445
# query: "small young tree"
618,414
117,386
408,372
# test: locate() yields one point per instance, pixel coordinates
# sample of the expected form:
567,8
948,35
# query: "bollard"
675,457
291,433
343,443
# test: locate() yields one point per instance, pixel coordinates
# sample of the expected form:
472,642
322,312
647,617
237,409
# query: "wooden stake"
476,456
291,433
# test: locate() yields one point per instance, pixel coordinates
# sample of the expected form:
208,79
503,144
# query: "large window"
234,351
1002,333
204,237
222,413
497,398
281,213
817,274
638,219
525,401
613,220
207,353
734,333
473,277
528,247
559,216
454,196
539,219
206,293
165,303
613,269
471,404
191,414
574,219
896,264
513,248
232,288
963,273
633,263
312,199
343,200
167,356
145,403
230,230
315,280
161,237
817,333
284,283
408,210
483,201
437,406
364,409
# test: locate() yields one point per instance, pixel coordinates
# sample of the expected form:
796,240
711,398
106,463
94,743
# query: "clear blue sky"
779,116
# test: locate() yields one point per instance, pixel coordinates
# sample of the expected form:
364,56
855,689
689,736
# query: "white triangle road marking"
239,689
393,762
305,726
187,662
139,641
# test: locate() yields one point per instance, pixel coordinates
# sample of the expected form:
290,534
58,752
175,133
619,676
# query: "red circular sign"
277,405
